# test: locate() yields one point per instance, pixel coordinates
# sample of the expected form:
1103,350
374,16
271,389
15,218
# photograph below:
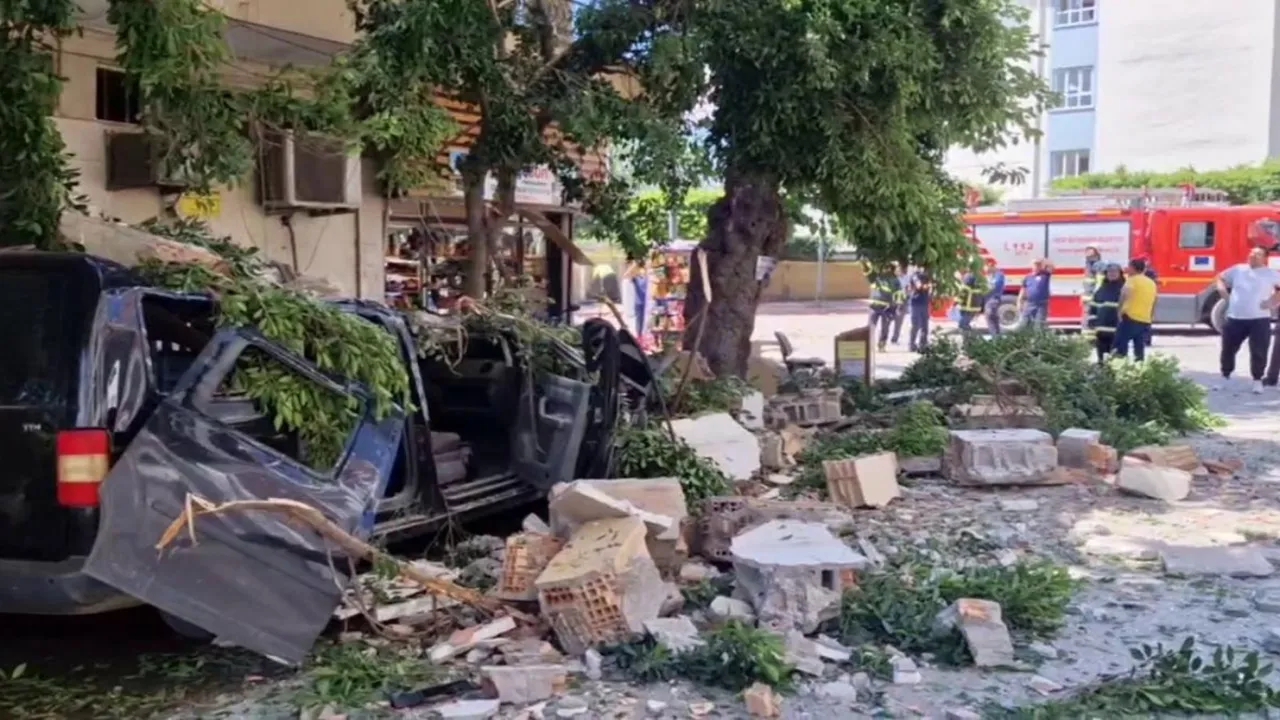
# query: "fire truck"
1186,235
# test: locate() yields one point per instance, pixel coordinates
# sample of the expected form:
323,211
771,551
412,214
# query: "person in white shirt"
1252,290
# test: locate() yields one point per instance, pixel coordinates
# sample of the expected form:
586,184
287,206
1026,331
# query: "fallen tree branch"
302,514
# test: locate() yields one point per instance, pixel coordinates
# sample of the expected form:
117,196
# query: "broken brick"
762,701
1181,457
524,684
1074,445
527,555
866,481
981,624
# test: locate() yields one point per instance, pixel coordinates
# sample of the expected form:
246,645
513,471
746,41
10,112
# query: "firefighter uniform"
886,296
1093,273
900,299
1104,313
969,302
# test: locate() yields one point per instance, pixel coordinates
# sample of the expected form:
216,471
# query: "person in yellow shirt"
1137,309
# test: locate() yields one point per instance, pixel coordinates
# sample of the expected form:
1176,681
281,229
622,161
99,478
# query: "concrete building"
1150,85
346,242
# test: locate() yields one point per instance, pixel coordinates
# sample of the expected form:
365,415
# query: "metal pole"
822,263
1037,165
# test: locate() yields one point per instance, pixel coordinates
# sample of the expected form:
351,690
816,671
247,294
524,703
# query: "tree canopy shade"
849,105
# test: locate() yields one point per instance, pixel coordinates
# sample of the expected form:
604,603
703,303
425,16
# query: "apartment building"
1150,85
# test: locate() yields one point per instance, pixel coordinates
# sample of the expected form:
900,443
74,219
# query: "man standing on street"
1033,301
970,302
995,294
1093,269
919,295
904,276
1251,292
884,302
1137,308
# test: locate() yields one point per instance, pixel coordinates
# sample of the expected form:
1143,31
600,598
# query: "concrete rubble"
524,684
793,573
720,439
866,481
1153,481
677,634
981,623
724,609
1181,457
1074,445
805,409
762,701
1000,457
988,412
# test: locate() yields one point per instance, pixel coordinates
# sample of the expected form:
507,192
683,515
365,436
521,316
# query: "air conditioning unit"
134,161
307,172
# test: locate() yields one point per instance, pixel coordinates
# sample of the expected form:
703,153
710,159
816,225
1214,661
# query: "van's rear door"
248,577
46,306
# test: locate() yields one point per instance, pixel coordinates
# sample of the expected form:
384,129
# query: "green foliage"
352,675
919,430
898,606
38,182
837,446
1243,184
702,396
1168,682
649,452
699,595
733,656
339,343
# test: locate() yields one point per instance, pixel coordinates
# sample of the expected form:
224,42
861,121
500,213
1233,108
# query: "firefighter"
885,294
969,303
995,295
919,295
1104,309
1093,270
900,301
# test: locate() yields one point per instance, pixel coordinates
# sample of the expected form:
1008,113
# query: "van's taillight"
83,457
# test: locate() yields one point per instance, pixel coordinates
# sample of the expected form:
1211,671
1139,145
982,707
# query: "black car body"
94,352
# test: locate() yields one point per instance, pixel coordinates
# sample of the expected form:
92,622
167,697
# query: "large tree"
849,105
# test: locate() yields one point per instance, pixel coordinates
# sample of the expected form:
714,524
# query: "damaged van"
116,407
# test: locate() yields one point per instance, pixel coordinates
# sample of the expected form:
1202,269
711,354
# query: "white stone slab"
720,439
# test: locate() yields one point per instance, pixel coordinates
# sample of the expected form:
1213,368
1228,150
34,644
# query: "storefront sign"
195,206
537,186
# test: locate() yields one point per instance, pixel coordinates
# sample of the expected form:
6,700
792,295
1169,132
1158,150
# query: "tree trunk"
749,221
504,206
477,232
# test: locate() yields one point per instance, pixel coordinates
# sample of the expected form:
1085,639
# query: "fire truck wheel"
1010,318
1218,315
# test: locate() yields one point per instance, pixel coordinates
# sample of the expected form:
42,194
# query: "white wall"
1184,82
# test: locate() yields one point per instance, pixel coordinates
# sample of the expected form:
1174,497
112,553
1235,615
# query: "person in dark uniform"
1104,309
885,296
919,296
970,301
901,298
995,296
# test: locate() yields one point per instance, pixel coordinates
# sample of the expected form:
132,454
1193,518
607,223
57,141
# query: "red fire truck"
1188,236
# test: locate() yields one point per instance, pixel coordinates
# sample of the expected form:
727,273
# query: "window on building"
118,97
1074,12
1074,87
1068,163
1195,235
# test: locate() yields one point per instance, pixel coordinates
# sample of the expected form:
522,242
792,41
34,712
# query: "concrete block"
982,625
1153,481
720,439
987,412
762,701
1232,561
803,653
1074,444
677,634
924,465
1174,456
1000,457
727,608
793,572
809,408
533,523
524,684
866,481
771,455
582,501
663,498
527,555
722,518
752,414
602,586
468,709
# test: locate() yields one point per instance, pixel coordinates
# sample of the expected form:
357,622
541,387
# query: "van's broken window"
177,330
41,337
285,410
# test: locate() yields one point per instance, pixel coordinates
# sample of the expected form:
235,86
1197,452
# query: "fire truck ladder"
1116,199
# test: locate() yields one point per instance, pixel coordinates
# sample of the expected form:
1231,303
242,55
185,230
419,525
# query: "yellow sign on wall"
197,206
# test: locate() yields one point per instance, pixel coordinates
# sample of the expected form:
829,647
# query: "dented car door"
249,578
550,424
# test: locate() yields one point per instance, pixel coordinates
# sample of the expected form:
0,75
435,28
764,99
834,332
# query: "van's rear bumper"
55,588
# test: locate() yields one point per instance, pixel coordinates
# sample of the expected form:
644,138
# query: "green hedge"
1243,184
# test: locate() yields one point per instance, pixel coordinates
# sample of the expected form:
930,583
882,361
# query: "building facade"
1152,85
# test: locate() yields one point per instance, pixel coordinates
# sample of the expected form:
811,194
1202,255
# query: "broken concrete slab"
865,481
923,465
727,608
533,523
807,408
986,412
771,455
905,671
1238,561
981,624
1121,546
793,573
1153,481
802,653
1000,457
663,497
602,586
1074,444
524,684
1181,457
468,709
720,439
695,571
677,634
582,501
752,414
831,649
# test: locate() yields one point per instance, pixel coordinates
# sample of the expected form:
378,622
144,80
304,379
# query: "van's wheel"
1218,315
1010,318
185,629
